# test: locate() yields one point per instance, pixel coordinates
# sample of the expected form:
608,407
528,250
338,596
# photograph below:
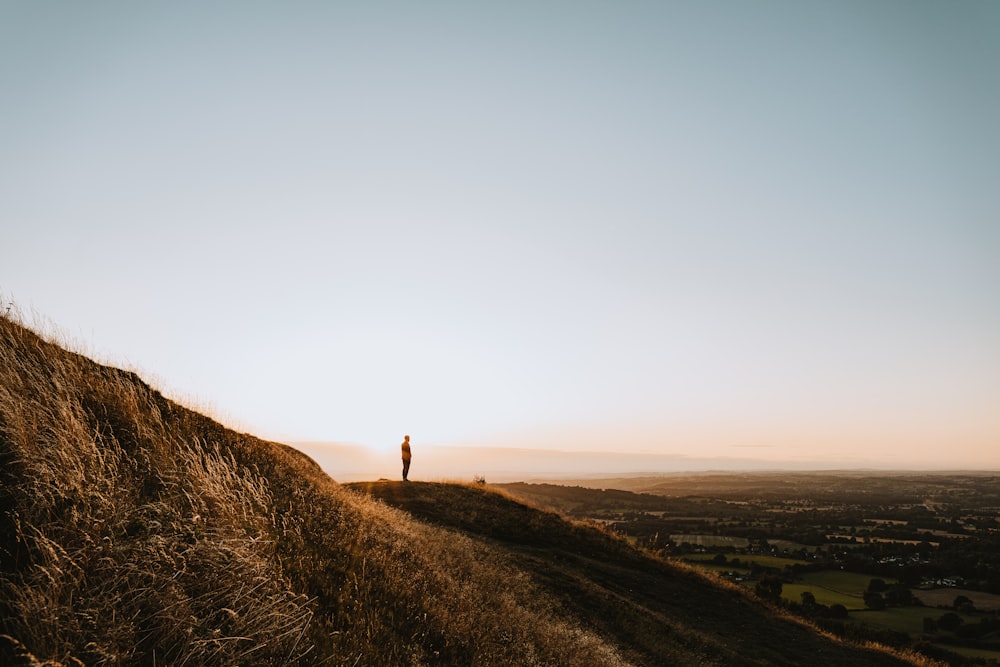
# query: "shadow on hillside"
654,609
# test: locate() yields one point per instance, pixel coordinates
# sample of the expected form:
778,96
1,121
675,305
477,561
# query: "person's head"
406,437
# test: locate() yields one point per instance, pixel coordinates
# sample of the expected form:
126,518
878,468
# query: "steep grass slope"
135,531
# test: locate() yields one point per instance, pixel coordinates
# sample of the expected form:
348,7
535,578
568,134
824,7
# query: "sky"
760,231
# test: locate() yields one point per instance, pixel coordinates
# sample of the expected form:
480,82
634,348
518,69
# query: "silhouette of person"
406,457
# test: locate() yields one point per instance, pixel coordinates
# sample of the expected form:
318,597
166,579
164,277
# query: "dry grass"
113,518
136,531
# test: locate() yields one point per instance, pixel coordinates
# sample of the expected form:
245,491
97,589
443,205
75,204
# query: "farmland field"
945,597
772,561
745,561
824,596
788,545
901,619
711,540
849,583
977,653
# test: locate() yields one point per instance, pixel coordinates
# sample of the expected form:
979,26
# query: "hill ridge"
136,531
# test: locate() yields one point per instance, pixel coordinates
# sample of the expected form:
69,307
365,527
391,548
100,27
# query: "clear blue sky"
763,229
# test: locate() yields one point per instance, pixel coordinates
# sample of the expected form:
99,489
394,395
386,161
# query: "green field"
944,597
711,540
911,621
824,596
788,545
980,653
849,583
829,586
745,563
772,561
832,587
901,619
698,559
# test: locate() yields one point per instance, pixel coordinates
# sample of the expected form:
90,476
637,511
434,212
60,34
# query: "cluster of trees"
952,622
880,595
769,587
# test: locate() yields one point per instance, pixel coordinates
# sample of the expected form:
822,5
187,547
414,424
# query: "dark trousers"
406,469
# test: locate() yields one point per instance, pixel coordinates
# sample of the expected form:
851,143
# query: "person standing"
406,457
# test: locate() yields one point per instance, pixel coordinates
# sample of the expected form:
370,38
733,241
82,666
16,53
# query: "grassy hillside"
656,612
135,531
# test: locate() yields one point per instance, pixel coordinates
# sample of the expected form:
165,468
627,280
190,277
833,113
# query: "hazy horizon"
350,463
708,230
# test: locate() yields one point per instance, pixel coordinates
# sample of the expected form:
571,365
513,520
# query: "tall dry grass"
134,531
126,539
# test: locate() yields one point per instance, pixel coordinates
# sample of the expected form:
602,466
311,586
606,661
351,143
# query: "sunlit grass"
135,531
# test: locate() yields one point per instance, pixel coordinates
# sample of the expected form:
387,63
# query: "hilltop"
136,531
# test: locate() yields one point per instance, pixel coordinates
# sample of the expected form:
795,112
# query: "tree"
899,594
877,586
949,621
874,601
769,587
838,611
808,599
963,603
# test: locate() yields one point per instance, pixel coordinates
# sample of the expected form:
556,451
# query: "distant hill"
871,487
135,531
